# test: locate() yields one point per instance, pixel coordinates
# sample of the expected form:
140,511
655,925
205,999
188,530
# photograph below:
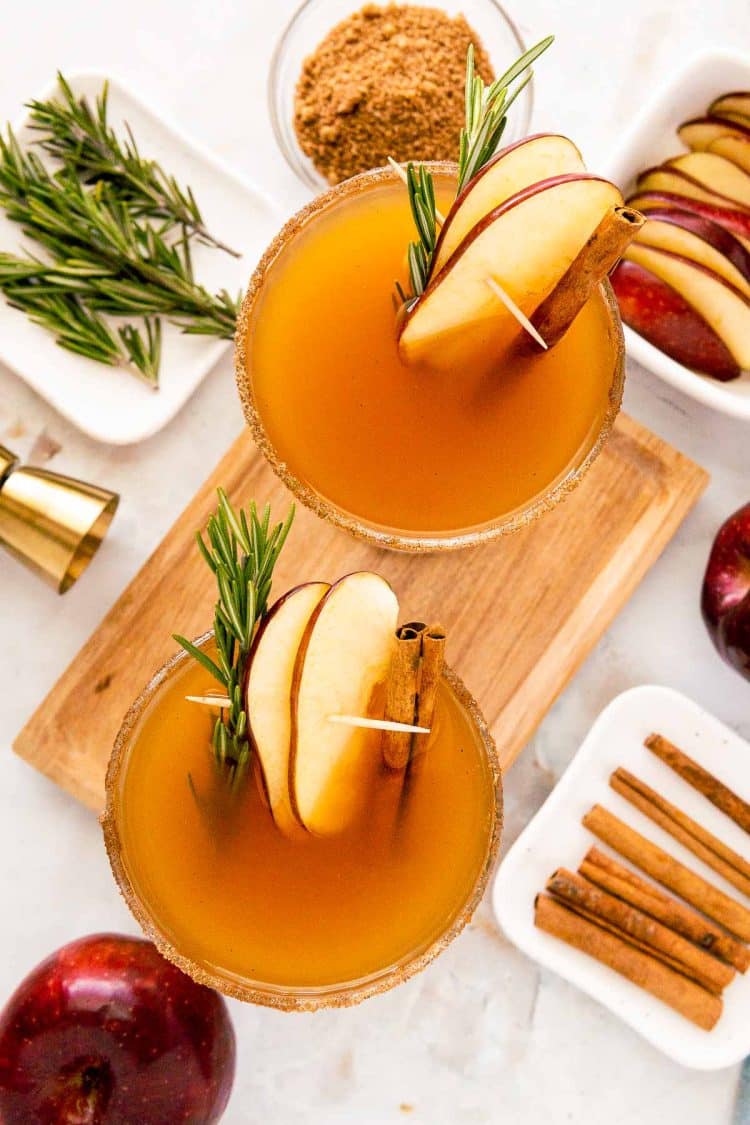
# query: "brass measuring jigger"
51,523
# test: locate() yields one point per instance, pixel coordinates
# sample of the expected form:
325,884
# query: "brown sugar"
386,81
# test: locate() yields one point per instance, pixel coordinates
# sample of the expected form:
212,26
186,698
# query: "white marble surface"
482,1036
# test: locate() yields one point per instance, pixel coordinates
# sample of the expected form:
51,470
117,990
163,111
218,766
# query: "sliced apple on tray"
344,655
692,236
715,173
666,177
734,148
701,131
526,244
268,690
516,167
735,104
658,313
731,219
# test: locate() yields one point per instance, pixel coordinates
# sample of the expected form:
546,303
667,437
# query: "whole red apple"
726,591
106,1032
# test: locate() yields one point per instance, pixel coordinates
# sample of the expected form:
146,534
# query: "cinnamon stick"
620,881
682,827
668,871
605,247
433,658
717,793
401,693
645,933
685,996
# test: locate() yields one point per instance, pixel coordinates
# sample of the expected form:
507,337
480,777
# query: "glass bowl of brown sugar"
353,83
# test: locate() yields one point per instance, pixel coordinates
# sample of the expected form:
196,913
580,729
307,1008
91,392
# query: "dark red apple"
106,1032
726,591
658,313
733,220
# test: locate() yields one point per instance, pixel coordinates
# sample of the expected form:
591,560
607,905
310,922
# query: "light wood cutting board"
522,612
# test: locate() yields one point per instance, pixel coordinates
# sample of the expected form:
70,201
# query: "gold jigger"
51,523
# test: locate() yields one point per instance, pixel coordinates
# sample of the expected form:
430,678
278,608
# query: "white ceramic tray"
652,138
110,404
556,838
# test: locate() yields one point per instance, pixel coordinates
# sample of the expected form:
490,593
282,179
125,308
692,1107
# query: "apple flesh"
700,239
526,245
701,131
669,178
736,149
725,309
345,654
736,222
527,162
664,318
268,692
725,599
106,1032
716,173
736,105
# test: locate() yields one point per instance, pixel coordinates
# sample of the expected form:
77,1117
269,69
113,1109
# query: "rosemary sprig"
486,116
242,551
83,140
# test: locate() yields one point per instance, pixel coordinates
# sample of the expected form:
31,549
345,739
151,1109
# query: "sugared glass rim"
391,539
295,999
279,102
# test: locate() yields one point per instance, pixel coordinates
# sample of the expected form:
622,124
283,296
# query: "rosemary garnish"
242,551
486,116
118,245
83,140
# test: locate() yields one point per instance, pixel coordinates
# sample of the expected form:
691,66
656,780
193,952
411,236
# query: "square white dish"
652,138
111,404
556,838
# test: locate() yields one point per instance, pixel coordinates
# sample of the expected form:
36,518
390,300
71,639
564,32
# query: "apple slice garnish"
664,318
736,222
526,245
704,241
516,167
724,308
735,105
344,655
268,691
668,178
700,131
716,173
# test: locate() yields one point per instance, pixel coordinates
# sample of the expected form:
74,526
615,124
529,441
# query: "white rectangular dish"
556,838
109,404
651,138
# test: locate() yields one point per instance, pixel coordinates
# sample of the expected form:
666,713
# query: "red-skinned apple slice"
736,104
526,245
736,222
719,303
715,173
664,318
527,162
668,178
698,133
706,242
736,149
345,653
268,690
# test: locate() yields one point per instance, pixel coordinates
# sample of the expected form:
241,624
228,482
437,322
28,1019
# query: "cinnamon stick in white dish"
717,793
697,839
703,1008
668,871
612,876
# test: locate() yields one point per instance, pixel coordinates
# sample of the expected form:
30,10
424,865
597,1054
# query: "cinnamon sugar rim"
292,999
325,509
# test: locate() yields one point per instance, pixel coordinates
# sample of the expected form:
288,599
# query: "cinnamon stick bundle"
643,932
620,881
717,793
682,827
665,983
668,871
595,260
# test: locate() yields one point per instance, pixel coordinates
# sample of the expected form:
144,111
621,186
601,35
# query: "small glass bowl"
315,18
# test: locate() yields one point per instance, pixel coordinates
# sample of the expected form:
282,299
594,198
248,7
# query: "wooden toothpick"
223,701
494,285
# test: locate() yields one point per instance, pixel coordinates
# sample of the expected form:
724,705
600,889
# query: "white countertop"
482,1035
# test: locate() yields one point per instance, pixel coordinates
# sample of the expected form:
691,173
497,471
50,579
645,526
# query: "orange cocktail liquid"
405,448
232,893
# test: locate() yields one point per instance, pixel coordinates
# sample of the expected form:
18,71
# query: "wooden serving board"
522,612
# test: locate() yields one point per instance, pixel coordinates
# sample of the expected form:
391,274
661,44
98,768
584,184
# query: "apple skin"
717,236
663,317
107,1032
725,599
735,221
